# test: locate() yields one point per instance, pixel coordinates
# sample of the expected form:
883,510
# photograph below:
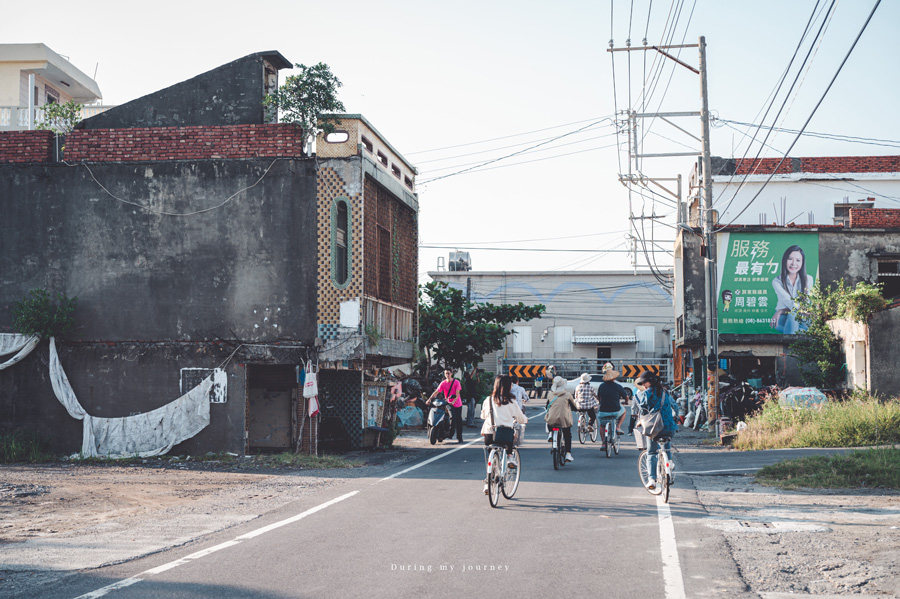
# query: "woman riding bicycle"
650,398
560,404
500,409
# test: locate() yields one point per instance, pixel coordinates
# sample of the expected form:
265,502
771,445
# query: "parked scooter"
438,427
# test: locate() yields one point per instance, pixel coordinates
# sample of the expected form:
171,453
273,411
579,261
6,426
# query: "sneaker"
550,438
650,485
511,463
485,488
620,433
569,457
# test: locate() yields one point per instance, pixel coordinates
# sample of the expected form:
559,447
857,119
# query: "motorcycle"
438,425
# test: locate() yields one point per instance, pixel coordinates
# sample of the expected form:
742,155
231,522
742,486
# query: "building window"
842,211
646,338
395,170
367,144
382,158
562,340
337,137
522,340
408,182
340,242
889,277
604,352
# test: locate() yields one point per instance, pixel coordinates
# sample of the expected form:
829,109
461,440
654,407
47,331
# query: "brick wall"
880,218
823,164
184,143
26,146
763,166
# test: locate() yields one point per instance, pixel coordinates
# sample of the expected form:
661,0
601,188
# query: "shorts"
601,415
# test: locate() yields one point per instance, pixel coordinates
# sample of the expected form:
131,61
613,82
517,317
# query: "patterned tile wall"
331,186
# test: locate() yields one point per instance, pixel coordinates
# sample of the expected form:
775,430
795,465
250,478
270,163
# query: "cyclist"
559,412
611,395
652,397
506,412
586,399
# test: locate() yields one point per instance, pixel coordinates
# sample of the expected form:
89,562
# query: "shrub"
40,315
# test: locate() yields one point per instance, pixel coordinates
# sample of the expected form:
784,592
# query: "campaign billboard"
760,276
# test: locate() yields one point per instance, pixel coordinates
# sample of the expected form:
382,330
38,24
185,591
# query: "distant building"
592,317
33,75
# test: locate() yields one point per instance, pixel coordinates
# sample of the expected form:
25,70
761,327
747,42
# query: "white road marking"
674,583
428,461
293,519
717,471
109,588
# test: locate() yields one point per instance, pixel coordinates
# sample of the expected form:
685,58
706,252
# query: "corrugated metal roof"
605,339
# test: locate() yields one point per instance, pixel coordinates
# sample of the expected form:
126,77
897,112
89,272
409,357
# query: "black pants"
456,422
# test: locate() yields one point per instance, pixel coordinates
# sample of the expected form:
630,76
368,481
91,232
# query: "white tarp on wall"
11,342
149,434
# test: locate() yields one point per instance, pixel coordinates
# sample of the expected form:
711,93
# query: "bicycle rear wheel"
554,450
662,477
560,449
615,443
607,439
511,478
582,429
494,479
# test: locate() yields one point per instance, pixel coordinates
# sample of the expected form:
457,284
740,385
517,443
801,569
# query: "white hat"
559,384
585,378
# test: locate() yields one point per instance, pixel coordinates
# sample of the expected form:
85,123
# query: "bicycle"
501,478
557,448
665,469
584,429
610,435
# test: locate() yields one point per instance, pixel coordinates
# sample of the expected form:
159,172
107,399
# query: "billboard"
760,276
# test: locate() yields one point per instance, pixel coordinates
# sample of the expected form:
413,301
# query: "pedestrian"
452,388
560,404
470,390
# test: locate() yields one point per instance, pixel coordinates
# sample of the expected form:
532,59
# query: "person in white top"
518,392
506,412
791,281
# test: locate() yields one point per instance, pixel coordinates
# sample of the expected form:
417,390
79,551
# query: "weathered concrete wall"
884,346
850,255
691,288
225,252
231,94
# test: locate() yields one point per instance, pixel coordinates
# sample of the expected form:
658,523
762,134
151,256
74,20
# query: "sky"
508,108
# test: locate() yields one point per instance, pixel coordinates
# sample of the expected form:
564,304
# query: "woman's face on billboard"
794,262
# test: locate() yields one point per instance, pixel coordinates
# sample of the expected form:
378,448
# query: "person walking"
451,388
560,404
470,389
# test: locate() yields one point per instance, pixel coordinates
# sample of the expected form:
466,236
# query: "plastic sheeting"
802,397
12,342
145,435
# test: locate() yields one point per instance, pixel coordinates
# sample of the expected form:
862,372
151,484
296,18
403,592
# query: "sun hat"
610,374
559,384
585,378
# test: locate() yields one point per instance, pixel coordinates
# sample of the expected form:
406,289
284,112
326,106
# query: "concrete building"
33,75
592,317
200,238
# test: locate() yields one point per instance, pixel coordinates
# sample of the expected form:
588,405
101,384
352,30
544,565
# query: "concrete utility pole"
709,247
712,320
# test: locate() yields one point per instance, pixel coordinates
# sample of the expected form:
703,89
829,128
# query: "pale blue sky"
433,75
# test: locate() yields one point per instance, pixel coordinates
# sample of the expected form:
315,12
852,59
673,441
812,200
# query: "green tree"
304,97
455,331
40,315
60,118
819,351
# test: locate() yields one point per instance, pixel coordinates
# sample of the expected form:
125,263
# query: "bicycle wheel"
594,432
615,443
582,429
554,450
560,449
494,478
511,478
662,477
644,471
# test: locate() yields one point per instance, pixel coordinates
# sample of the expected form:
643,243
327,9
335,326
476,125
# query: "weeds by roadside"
877,468
858,422
22,446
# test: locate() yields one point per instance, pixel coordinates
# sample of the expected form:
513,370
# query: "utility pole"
711,383
712,320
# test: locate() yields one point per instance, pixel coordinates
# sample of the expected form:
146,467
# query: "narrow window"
382,158
340,256
337,137
395,170
367,144
408,182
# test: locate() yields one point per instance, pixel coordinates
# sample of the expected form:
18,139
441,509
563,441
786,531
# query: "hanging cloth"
12,342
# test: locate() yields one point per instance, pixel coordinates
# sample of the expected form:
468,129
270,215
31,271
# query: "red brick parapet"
26,146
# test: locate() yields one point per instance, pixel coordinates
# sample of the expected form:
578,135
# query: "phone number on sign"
757,320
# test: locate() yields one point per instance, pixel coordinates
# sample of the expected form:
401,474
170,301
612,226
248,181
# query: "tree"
61,118
304,97
455,331
818,350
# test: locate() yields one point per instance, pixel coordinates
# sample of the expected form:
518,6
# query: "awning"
605,339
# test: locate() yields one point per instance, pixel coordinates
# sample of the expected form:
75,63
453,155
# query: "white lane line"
717,471
674,583
204,552
428,461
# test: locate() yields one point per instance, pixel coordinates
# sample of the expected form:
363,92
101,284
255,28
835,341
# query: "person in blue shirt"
653,397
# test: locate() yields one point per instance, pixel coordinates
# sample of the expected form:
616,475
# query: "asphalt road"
426,529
